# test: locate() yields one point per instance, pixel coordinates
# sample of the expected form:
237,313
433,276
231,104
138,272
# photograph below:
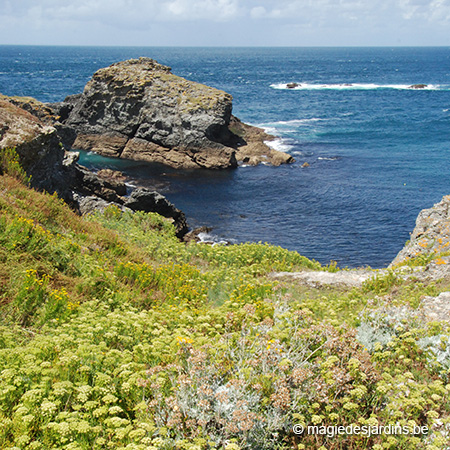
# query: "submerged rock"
138,109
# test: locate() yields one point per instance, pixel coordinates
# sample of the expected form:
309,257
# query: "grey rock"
138,109
136,103
143,199
431,234
436,308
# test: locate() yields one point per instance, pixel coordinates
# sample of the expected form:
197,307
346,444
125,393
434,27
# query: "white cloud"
220,10
294,22
430,10
104,10
315,11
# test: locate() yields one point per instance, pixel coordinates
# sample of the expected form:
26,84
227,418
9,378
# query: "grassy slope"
115,335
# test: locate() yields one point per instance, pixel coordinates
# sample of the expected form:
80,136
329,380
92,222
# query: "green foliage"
382,284
113,334
10,164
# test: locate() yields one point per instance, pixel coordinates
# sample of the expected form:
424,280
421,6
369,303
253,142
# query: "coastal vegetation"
116,335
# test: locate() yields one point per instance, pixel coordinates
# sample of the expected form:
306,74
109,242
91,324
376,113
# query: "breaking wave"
356,86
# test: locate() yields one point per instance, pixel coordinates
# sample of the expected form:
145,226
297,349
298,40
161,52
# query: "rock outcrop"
138,109
52,169
143,199
252,147
431,233
37,145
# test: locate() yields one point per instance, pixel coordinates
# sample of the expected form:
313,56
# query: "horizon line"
224,46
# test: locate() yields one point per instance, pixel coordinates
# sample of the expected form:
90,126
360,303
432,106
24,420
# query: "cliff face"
36,143
431,234
137,109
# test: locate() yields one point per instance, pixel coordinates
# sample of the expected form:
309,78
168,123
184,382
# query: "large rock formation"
52,169
137,109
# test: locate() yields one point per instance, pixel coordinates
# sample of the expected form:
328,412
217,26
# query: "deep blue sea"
378,151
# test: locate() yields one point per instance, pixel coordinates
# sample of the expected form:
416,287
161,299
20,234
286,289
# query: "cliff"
31,128
37,144
138,109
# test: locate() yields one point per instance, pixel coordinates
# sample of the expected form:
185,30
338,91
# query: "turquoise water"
379,152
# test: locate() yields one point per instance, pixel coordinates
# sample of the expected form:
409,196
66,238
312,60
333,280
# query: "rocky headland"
137,109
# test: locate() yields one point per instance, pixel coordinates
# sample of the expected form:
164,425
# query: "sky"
226,22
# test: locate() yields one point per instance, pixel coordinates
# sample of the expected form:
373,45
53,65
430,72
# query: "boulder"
91,203
292,85
144,199
418,86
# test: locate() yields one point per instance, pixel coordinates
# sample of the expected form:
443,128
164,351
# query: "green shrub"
10,164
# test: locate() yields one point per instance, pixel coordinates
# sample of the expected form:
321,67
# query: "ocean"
378,151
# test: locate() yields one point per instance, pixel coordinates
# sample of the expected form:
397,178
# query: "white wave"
446,110
208,238
296,122
281,144
328,158
300,153
353,86
268,130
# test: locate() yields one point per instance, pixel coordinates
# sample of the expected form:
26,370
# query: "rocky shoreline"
135,109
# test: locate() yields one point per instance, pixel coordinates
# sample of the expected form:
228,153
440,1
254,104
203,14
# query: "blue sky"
225,22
